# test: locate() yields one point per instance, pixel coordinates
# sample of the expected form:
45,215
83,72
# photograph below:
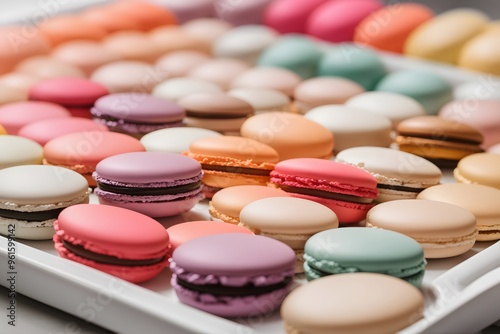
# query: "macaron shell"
46,67
262,100
146,14
250,255
10,94
185,12
176,139
279,79
19,81
288,215
132,45
236,148
352,127
36,185
65,28
18,150
13,116
292,136
184,232
481,200
45,130
180,63
442,37
220,71
390,34
285,18
139,107
241,13
228,202
441,228
207,28
88,148
177,88
351,303
215,104
68,91
147,167
113,231
480,168
481,54
172,38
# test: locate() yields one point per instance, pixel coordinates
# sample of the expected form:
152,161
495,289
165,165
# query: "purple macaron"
137,113
157,184
233,275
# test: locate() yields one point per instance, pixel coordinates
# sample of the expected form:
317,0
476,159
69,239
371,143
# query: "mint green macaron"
297,53
353,62
428,88
356,249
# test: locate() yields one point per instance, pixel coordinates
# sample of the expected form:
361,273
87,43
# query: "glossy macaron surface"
18,150
175,139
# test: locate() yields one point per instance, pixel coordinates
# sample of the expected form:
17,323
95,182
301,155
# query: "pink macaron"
157,184
13,116
348,190
45,130
76,94
118,241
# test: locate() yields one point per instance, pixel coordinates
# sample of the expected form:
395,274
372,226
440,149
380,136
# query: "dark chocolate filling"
326,194
399,188
135,191
35,216
101,258
237,170
214,116
114,119
234,291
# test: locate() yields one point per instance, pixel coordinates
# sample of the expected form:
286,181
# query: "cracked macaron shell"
431,223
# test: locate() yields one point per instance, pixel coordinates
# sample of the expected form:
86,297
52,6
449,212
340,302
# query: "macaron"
482,89
82,151
104,17
245,43
481,54
184,232
396,107
216,111
227,203
352,304
136,114
400,175
479,199
479,168
187,11
46,67
428,88
352,127
147,15
432,39
32,196
157,184
176,88
381,33
347,190
219,70
356,63
297,53
64,28
76,94
10,94
45,130
279,79
443,141
261,99
231,161
241,13
291,135
19,81
132,45
128,76
117,241
84,54
495,149
321,91
180,63
354,249
232,275
337,21
289,220
283,17
173,38
442,229
13,116
175,139
17,150
483,115
207,28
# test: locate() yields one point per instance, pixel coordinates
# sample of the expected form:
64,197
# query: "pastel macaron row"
411,29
